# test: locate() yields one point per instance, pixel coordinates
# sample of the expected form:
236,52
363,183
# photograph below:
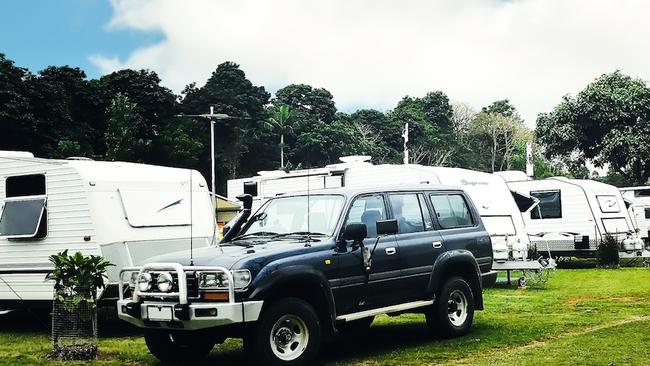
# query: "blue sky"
39,33
367,53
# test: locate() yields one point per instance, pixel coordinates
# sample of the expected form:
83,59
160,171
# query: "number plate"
160,313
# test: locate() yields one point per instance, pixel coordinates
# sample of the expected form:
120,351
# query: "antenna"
405,136
308,208
191,223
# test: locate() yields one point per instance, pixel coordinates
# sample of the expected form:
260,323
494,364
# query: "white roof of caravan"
109,171
639,188
512,175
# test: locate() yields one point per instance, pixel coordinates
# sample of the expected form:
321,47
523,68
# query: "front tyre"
452,314
177,347
288,333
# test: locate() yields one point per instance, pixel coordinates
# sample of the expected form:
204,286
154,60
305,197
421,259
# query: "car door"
358,289
418,242
458,223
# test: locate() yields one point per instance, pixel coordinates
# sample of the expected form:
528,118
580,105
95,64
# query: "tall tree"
312,109
431,137
65,106
280,122
230,92
154,104
122,142
17,130
608,122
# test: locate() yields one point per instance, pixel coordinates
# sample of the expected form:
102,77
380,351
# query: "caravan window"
499,225
608,204
549,207
24,219
615,225
25,185
451,210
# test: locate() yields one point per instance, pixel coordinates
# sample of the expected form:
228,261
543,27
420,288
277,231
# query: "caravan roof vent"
355,159
15,154
82,158
272,173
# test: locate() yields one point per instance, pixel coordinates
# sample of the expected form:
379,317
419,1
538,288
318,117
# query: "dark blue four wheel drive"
307,266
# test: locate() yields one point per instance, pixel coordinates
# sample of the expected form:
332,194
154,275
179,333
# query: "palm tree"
279,121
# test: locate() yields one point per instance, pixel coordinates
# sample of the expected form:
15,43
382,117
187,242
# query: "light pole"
213,117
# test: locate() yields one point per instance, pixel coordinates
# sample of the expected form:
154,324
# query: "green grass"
581,317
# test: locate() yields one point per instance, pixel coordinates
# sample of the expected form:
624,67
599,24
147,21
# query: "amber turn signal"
215,296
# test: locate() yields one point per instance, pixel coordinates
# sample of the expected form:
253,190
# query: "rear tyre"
288,333
177,347
453,312
355,326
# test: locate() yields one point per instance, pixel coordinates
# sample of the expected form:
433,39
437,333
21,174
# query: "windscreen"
22,219
499,225
291,214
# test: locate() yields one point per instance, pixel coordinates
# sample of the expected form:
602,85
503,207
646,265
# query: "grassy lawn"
581,317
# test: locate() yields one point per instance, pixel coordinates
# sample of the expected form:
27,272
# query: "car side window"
407,211
452,210
367,210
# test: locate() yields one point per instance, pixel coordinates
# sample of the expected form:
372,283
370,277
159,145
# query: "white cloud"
370,53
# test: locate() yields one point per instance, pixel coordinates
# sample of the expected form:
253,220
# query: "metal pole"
214,192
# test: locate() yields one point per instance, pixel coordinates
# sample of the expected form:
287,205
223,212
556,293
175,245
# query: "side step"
385,310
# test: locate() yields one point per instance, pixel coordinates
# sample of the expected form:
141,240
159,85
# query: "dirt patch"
573,301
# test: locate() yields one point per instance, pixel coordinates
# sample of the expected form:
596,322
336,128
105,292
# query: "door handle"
437,244
391,251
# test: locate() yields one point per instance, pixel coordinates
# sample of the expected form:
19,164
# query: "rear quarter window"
451,210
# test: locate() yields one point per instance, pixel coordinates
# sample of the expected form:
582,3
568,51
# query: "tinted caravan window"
549,207
24,219
25,185
647,212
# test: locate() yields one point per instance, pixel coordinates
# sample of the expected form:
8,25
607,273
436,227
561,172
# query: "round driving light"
165,282
144,282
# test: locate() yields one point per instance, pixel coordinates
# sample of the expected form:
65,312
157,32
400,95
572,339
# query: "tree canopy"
608,123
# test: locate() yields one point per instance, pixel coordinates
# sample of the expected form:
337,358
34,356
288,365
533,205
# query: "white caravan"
638,200
125,212
573,214
498,209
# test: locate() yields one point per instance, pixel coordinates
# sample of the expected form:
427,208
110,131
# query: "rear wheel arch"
459,263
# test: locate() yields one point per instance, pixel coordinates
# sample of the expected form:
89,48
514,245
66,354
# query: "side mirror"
387,227
355,232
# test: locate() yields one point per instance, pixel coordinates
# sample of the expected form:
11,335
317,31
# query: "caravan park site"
580,317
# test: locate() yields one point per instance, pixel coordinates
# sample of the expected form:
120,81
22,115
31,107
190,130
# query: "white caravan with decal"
125,212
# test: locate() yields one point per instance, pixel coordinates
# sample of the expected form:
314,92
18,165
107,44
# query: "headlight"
213,280
241,278
219,280
144,282
133,279
165,282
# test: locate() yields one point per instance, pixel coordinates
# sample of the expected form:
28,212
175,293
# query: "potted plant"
77,278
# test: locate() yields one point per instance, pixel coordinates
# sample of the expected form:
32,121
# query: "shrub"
607,253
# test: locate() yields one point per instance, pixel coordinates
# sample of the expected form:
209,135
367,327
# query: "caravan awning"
524,202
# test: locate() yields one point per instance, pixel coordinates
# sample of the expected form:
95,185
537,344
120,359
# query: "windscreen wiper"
298,233
258,233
